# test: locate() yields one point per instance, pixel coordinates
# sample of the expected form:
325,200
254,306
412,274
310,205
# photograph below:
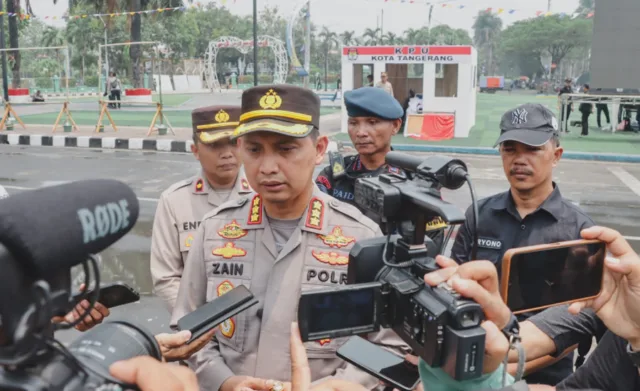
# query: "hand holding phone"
111,295
210,315
539,277
380,363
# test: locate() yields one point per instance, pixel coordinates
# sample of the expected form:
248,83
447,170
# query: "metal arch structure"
291,47
244,46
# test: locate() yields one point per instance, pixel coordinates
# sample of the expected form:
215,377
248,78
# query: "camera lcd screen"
329,311
550,277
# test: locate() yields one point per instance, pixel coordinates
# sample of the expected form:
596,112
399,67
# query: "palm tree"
53,37
348,38
329,39
417,36
391,39
371,36
487,28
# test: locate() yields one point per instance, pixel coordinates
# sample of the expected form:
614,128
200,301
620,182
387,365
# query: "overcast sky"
399,15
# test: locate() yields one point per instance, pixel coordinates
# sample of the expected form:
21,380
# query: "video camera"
388,272
43,233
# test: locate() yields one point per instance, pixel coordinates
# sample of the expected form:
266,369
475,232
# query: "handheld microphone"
57,227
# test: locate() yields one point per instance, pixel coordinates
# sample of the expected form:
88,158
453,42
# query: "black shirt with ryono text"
501,228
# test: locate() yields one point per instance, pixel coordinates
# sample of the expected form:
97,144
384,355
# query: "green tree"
417,36
371,36
487,28
391,39
586,6
347,38
329,40
54,37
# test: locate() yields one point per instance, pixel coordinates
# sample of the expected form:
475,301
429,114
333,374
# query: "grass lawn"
491,108
169,100
179,119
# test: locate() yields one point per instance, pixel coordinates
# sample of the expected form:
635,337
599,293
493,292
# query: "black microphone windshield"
55,228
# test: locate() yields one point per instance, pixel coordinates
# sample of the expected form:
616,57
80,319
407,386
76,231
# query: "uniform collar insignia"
255,211
199,187
315,214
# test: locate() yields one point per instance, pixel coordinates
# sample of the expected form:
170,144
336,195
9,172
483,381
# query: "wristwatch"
634,356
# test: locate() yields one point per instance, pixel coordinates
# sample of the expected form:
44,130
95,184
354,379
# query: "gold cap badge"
222,116
270,100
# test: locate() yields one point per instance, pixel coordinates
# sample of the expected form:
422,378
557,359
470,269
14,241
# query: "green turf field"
169,100
179,119
491,108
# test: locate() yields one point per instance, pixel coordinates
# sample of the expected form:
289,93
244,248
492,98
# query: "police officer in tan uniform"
182,206
286,238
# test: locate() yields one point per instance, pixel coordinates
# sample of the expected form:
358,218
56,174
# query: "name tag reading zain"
491,244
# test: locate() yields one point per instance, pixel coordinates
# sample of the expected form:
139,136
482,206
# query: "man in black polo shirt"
532,211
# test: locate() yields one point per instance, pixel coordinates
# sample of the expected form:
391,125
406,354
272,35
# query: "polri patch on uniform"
229,251
188,241
232,231
325,341
491,244
255,213
315,214
244,184
336,238
199,185
332,258
228,327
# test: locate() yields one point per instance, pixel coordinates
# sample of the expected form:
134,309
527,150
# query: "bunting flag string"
497,11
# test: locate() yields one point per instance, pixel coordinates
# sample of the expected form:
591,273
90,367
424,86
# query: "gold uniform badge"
336,238
332,258
229,251
232,231
271,100
255,213
228,327
222,116
188,241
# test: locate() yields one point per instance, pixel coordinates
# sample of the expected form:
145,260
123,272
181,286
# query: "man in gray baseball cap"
531,124
531,212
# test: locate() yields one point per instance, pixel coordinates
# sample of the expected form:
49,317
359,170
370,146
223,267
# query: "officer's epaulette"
353,213
229,205
179,185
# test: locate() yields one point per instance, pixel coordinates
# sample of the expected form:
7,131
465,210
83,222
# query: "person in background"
385,84
369,81
603,108
566,109
115,88
531,212
37,97
183,204
586,109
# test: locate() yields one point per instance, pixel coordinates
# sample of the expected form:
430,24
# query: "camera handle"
512,332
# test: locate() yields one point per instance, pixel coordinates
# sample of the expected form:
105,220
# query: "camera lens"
103,345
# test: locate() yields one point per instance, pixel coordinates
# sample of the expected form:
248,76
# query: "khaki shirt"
388,87
235,245
178,216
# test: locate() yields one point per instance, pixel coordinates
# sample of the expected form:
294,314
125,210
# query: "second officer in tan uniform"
286,238
182,206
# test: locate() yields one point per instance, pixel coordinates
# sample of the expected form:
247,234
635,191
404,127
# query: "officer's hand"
617,304
478,280
174,348
150,375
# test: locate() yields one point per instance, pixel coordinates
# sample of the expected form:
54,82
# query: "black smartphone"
216,311
543,276
111,295
392,369
339,312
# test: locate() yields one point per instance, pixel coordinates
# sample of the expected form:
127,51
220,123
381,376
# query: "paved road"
610,193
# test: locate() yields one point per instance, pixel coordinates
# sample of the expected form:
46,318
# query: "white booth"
443,76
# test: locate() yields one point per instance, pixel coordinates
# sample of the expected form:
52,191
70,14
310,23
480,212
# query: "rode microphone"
54,228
